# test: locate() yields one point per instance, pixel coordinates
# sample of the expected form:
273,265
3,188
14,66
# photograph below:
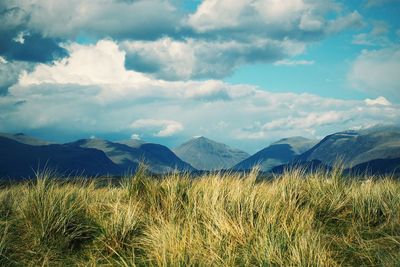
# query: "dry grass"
298,219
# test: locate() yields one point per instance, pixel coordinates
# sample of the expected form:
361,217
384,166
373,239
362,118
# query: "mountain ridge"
278,153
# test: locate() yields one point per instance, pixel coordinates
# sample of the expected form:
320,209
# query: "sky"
242,72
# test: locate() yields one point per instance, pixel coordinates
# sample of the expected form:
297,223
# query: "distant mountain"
356,147
25,139
127,155
19,160
205,154
378,166
276,154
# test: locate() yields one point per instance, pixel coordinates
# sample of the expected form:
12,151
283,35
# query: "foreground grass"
298,219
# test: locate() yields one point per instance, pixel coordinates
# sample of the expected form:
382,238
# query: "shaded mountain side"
135,143
205,154
159,159
356,147
25,139
308,166
378,167
373,167
276,154
21,160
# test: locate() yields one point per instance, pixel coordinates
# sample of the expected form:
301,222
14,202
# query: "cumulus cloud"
100,96
211,42
164,127
376,72
222,35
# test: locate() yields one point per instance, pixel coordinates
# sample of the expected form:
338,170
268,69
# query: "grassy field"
297,219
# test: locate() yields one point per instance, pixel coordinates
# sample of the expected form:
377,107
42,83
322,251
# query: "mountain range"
376,150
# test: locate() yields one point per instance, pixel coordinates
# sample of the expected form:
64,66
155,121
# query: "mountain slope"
205,154
160,159
356,147
22,160
276,154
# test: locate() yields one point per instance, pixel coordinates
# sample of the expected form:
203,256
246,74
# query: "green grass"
297,219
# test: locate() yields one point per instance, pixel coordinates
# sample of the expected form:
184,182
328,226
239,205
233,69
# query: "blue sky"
243,72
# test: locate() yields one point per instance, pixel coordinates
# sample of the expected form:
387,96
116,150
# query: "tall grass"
296,219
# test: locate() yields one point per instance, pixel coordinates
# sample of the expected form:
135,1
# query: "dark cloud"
32,47
18,42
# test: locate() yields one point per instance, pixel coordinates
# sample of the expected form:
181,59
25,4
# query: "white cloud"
102,63
98,96
135,136
378,101
376,37
224,14
20,38
165,127
377,72
353,19
287,62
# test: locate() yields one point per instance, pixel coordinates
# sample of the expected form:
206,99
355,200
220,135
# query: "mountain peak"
206,154
200,138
